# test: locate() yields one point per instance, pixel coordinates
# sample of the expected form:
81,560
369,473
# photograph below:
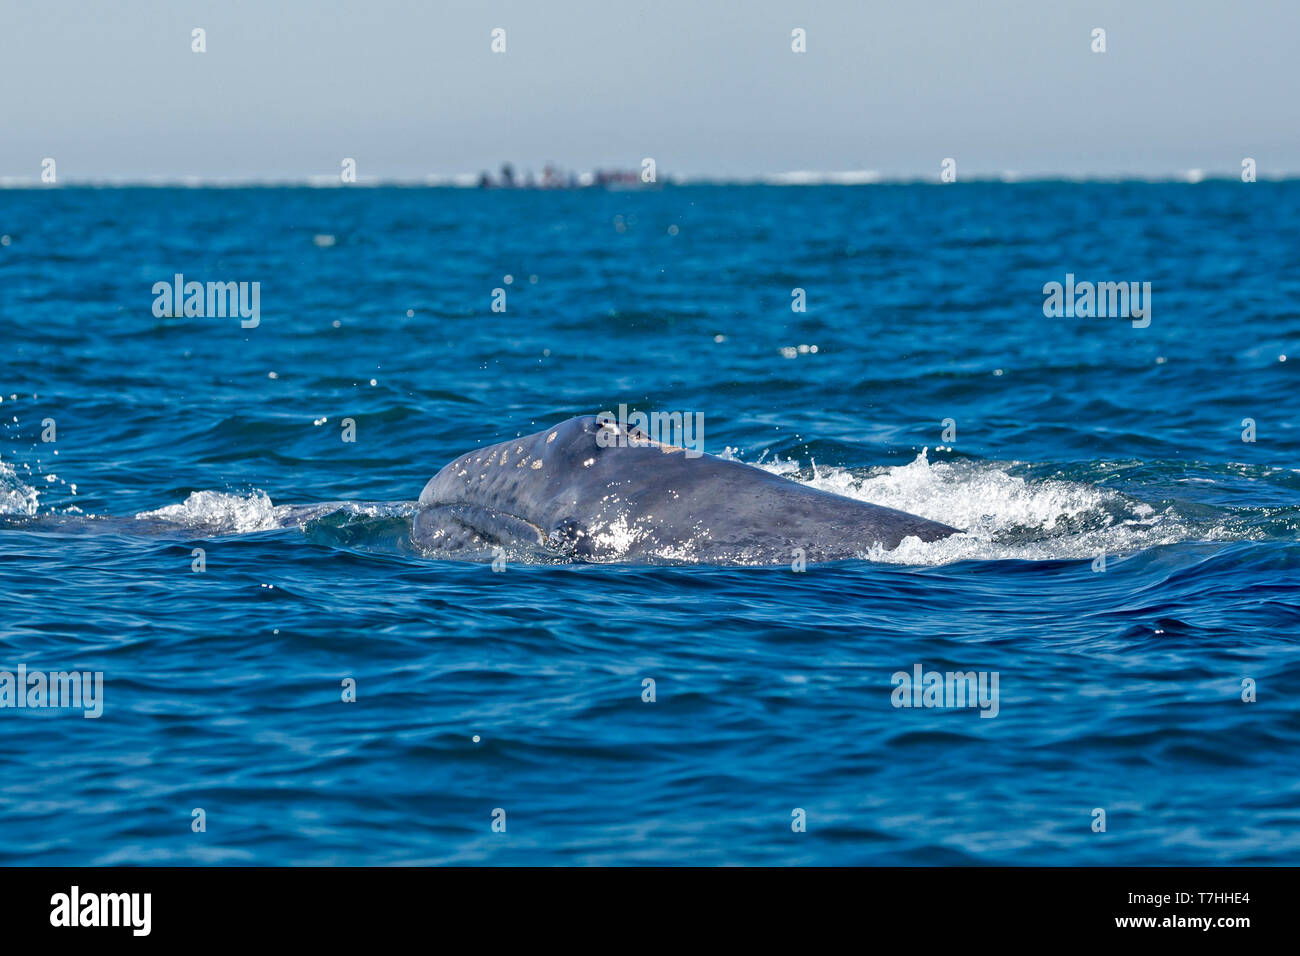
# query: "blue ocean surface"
1129,497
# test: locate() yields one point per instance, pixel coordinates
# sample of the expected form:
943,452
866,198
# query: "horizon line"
473,180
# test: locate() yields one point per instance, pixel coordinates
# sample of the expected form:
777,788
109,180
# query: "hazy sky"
287,89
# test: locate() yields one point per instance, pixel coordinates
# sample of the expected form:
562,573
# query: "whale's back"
620,498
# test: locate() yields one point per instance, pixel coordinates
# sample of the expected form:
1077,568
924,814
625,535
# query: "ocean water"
483,696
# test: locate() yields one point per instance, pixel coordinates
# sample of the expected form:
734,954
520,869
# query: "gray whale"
563,494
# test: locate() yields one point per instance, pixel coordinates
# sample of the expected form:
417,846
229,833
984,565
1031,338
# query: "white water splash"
16,497
220,512
1002,514
616,538
223,513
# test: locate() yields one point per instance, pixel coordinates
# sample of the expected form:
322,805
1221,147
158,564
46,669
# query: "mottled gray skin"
559,492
